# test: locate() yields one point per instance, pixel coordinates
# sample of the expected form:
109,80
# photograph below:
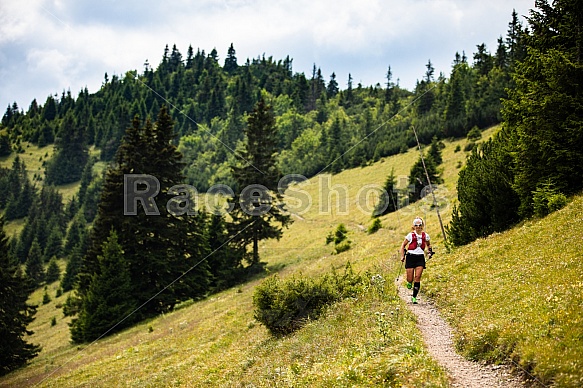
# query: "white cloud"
51,45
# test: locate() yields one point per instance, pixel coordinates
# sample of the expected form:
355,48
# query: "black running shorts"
414,261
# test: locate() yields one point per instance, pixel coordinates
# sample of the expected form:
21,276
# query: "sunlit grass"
517,295
217,342
33,157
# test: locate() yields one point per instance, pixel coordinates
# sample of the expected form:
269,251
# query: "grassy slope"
217,341
521,292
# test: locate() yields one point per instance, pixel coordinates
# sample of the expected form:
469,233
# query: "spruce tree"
434,151
54,244
73,267
71,153
259,211
455,120
487,201
19,206
388,201
15,313
34,265
332,88
74,233
225,259
334,147
5,146
231,60
108,305
166,253
418,177
544,111
53,271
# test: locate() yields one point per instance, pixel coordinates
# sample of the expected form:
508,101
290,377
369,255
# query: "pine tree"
487,201
108,305
225,259
34,265
15,313
231,60
53,271
165,252
5,146
258,213
388,201
71,153
418,177
54,244
544,111
332,88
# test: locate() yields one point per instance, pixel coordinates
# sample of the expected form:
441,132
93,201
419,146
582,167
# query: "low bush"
547,199
341,244
375,226
283,306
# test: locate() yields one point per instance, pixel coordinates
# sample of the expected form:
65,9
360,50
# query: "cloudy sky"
47,46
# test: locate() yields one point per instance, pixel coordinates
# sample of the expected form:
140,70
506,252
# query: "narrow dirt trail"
438,337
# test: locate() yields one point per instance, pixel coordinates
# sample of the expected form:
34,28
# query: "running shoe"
414,300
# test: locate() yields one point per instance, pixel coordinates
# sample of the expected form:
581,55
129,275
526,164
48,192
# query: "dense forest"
194,121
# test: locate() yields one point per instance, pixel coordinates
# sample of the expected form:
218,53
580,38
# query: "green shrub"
474,134
340,234
342,247
329,238
547,199
375,226
341,244
284,306
46,297
557,201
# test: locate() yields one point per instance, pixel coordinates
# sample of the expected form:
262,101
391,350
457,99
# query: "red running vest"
413,244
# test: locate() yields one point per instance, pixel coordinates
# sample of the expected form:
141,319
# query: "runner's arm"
402,251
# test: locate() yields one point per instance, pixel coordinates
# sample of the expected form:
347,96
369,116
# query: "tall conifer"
166,253
259,212
15,313
544,111
108,304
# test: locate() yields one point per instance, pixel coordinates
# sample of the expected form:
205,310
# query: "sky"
51,46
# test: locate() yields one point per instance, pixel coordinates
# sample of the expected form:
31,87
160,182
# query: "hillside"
502,308
218,341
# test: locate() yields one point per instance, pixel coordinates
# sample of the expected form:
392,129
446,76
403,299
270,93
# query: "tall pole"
430,186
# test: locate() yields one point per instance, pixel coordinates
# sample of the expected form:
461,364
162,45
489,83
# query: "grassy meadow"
506,292
517,295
